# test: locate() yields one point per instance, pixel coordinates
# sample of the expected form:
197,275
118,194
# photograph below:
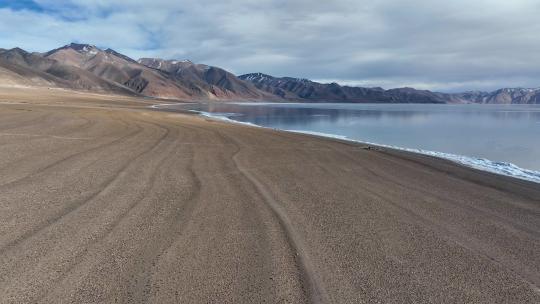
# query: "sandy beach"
103,200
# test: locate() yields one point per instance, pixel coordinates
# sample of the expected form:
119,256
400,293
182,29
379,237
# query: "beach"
105,200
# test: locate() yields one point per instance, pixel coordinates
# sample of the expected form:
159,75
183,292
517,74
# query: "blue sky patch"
21,5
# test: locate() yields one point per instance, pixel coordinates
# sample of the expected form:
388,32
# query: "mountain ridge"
36,69
503,96
219,82
304,89
87,67
301,89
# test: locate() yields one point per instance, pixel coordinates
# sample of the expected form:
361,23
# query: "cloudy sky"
428,44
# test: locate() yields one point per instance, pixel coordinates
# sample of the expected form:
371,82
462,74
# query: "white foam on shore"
165,105
502,168
225,117
342,137
483,164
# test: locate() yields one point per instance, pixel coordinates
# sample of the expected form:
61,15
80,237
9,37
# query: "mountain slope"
307,90
119,69
156,77
502,96
24,68
204,78
14,70
304,90
87,67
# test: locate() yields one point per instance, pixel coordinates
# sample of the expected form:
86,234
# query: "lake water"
492,137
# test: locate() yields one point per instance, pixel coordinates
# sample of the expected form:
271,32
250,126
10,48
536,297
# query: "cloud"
450,45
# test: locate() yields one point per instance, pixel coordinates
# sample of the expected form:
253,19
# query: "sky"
447,46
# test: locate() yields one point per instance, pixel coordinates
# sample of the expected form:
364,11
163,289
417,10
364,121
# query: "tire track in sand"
78,259
76,205
107,144
312,280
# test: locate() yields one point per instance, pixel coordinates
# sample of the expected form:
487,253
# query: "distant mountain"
87,67
307,90
502,96
304,90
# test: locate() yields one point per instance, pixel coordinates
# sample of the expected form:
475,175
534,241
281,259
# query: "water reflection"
507,133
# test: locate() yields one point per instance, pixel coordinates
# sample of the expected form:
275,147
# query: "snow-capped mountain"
503,96
300,89
87,67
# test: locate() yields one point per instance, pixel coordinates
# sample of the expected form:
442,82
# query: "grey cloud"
441,45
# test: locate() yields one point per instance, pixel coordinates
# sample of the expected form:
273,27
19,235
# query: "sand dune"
105,201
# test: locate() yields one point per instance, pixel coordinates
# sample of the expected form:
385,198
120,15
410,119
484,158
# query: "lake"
496,136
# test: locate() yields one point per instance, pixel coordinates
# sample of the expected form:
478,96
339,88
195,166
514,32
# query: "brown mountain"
311,91
23,68
304,90
119,69
87,67
204,78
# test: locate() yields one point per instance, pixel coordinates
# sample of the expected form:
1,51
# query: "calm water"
501,133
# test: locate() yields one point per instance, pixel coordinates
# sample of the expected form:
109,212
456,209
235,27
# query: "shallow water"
500,133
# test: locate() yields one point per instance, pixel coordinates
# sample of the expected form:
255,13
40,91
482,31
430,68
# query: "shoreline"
496,167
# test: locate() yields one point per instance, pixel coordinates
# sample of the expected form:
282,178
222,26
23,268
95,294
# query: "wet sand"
105,201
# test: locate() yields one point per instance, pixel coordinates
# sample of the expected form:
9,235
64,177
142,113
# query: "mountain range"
89,68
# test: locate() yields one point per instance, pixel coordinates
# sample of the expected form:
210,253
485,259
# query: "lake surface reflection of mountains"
501,133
